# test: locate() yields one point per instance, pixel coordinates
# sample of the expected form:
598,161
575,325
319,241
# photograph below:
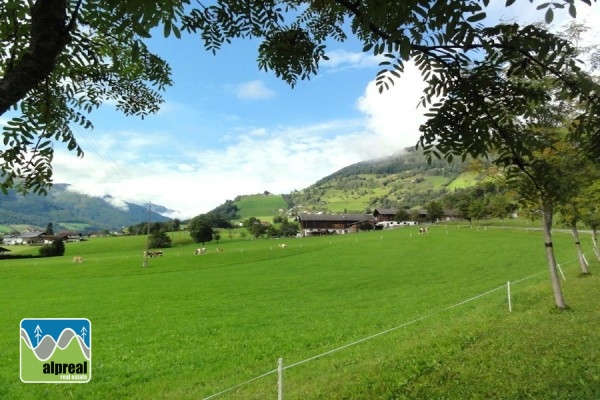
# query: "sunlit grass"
190,326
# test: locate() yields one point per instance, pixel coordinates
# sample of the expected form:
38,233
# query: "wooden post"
280,379
509,303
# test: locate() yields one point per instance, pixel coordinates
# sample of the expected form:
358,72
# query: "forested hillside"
68,210
404,180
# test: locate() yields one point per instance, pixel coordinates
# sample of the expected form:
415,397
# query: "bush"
57,248
160,240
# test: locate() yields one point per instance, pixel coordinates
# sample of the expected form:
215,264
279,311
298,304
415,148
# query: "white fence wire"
281,368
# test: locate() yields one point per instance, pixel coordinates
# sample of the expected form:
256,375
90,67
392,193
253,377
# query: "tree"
57,248
477,209
255,227
289,228
49,229
590,213
434,211
200,229
175,225
530,123
570,217
160,240
402,215
499,206
62,59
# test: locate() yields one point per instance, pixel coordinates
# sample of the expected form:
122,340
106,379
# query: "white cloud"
254,90
278,159
392,116
347,59
118,203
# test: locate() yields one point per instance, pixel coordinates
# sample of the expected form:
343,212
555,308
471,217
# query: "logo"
56,350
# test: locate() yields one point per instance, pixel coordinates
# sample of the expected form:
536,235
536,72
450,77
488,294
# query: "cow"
201,250
282,245
77,259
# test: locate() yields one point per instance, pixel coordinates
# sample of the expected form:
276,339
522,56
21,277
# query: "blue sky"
228,129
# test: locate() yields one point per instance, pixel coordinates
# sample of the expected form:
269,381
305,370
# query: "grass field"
261,206
433,307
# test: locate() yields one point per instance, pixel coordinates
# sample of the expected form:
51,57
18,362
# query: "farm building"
328,224
385,214
69,236
30,238
40,238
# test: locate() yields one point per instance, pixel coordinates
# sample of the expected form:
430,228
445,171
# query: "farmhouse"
40,238
69,236
327,224
385,214
30,238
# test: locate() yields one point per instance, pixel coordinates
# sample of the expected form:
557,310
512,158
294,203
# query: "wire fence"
281,368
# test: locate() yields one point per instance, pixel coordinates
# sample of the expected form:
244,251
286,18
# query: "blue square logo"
56,350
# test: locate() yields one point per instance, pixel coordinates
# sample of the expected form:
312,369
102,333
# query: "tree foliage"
63,59
159,240
529,120
56,248
256,227
200,229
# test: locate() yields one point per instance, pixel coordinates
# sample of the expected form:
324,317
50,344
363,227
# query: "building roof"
386,211
26,235
337,217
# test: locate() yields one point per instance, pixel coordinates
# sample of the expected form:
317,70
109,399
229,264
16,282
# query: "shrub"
160,240
57,248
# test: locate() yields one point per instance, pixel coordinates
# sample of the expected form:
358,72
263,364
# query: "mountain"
69,210
402,180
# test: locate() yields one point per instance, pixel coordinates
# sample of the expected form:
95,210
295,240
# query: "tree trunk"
49,36
582,262
595,241
547,228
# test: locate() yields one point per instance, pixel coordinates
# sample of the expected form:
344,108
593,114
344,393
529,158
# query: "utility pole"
145,264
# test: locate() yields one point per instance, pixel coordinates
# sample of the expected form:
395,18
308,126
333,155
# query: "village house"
40,238
330,224
26,238
385,214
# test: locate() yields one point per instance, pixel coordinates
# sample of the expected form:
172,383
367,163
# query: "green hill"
403,180
69,210
260,205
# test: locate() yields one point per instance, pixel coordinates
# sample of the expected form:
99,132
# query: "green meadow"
261,206
378,315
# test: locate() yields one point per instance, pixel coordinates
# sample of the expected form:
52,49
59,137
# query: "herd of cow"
203,250
153,254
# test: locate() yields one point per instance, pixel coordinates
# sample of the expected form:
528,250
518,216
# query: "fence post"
508,294
561,272
280,379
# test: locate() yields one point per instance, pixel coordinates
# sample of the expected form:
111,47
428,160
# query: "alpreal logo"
56,350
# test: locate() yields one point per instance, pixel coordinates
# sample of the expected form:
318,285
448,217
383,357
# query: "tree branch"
48,38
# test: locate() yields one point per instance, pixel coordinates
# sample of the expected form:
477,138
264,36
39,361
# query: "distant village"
311,224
